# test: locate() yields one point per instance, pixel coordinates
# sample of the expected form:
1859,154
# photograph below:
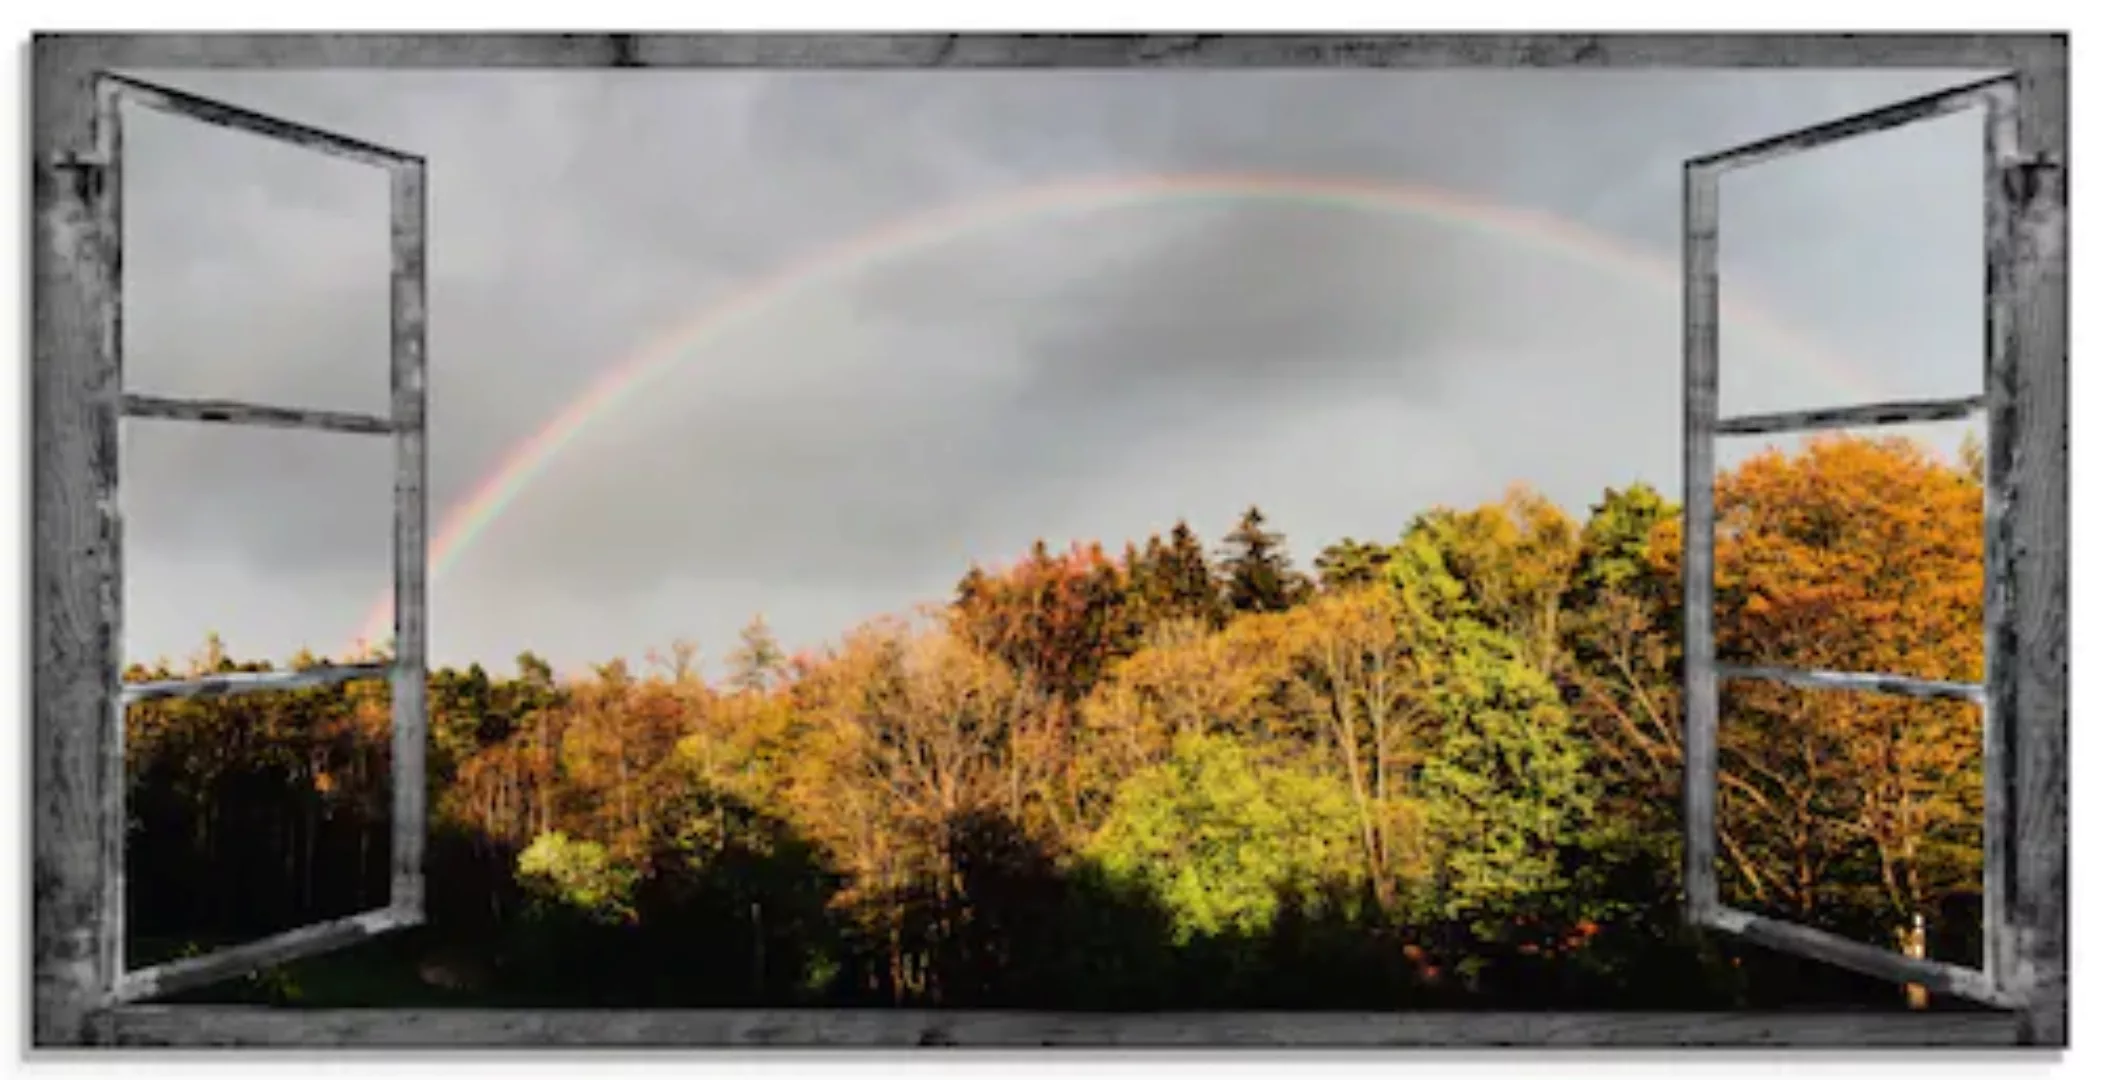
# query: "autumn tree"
1188,679
1460,738
1363,684
918,733
1056,619
758,661
1853,555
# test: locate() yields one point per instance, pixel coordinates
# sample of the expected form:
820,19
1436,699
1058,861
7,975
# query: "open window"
83,997
404,425
2007,213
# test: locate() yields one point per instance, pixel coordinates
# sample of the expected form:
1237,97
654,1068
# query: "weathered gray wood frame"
77,402
2018,212
98,198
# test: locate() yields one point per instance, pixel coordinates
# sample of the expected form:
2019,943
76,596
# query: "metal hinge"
2025,177
88,172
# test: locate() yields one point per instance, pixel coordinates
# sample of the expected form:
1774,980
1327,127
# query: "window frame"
77,404
2002,979
98,203
404,426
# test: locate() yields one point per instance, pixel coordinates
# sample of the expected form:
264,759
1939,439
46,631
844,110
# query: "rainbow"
903,238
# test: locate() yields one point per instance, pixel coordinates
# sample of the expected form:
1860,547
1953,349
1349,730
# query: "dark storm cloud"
899,447
848,448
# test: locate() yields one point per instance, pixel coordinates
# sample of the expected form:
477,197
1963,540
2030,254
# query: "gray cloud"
848,447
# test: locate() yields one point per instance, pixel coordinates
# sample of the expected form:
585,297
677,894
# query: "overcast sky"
851,446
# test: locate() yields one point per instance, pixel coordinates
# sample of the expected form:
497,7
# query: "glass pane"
278,541
1856,551
1855,813
254,270
1854,273
404,969
254,814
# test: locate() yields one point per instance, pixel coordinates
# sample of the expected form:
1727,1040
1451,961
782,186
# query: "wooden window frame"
77,402
2013,221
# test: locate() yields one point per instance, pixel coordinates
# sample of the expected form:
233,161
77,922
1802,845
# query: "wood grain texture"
2037,509
1802,140
108,204
203,1026
408,378
1850,416
75,391
150,407
1055,50
1852,955
1702,721
234,961
1859,682
79,729
206,111
2026,518
2002,147
236,683
74,387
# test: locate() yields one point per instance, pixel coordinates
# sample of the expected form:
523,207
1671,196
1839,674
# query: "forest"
1436,770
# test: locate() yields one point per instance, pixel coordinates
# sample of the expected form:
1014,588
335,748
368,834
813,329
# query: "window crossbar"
149,407
1856,956
1851,416
235,683
237,960
1812,679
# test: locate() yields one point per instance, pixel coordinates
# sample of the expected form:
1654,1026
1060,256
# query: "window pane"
1860,814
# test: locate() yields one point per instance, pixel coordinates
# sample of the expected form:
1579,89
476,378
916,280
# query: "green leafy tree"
1506,787
1222,837
1615,549
1504,781
579,876
1460,754
1512,559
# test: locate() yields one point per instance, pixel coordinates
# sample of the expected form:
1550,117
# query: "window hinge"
2026,176
88,172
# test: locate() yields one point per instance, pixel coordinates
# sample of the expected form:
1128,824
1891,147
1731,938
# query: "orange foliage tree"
1853,555
1454,698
